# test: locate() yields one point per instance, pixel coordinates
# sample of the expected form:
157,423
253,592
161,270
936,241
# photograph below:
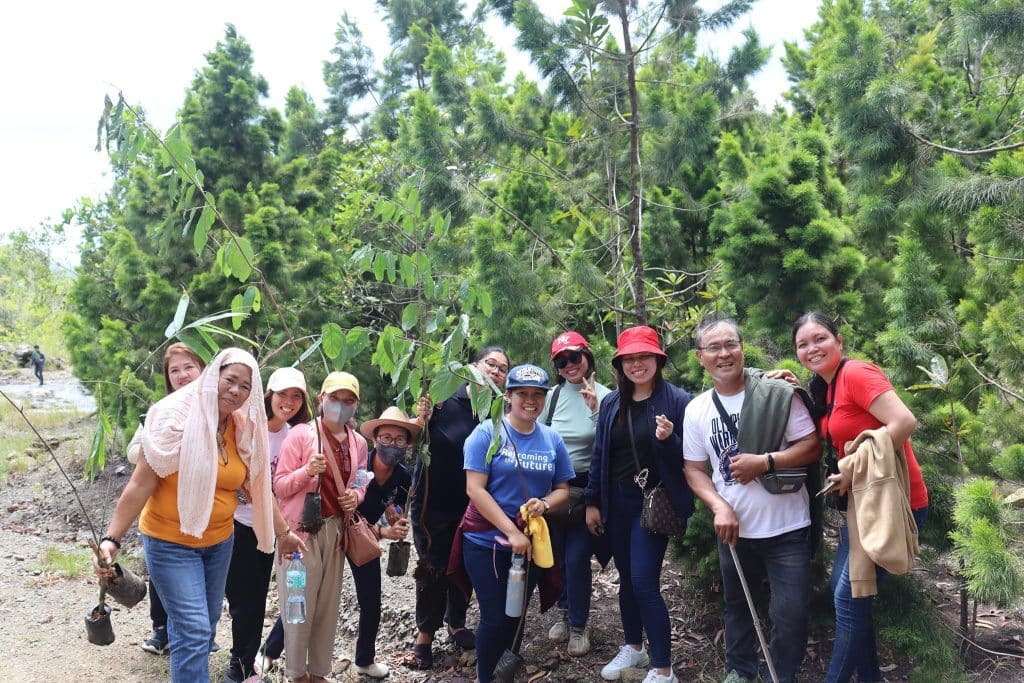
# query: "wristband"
547,505
117,543
771,462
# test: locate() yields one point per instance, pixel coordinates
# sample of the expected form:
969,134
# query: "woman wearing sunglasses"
571,410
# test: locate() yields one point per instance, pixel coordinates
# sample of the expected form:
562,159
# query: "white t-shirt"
705,436
243,512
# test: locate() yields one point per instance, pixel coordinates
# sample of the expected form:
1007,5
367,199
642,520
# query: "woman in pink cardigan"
303,467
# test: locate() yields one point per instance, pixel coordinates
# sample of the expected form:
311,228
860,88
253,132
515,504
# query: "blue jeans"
573,546
638,556
488,572
786,559
191,585
855,648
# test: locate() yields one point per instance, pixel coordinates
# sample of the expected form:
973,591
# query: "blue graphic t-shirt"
543,458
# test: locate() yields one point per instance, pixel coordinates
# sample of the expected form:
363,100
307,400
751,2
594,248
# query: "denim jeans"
855,648
572,543
191,585
488,572
786,560
638,556
246,590
367,581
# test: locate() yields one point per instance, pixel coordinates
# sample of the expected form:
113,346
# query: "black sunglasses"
563,359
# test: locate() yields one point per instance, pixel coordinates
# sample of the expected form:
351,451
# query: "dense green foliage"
636,181
34,295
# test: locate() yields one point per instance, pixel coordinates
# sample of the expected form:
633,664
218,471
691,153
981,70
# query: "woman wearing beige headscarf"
201,444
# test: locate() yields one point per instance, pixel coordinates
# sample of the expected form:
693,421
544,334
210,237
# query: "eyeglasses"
388,440
570,357
730,345
497,367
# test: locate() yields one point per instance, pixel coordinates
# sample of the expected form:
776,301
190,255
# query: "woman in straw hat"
201,444
391,435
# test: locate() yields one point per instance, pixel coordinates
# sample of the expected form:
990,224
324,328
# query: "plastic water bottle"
363,477
516,590
295,579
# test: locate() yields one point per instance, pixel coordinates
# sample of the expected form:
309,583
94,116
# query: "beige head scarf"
181,436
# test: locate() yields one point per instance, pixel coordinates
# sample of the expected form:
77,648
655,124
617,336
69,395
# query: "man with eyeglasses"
752,428
391,434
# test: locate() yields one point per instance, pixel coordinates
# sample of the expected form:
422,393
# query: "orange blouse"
160,515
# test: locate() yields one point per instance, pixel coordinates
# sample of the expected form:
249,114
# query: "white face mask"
337,413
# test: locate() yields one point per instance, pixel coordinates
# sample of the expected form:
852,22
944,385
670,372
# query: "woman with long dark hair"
639,430
438,501
852,396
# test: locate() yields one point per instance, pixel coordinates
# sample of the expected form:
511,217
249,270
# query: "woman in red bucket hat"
641,421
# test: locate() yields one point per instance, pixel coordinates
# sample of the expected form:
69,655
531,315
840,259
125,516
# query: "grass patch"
69,563
11,420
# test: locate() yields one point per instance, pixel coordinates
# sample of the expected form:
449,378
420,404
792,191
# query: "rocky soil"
42,636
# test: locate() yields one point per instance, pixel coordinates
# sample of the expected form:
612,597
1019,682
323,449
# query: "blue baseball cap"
527,376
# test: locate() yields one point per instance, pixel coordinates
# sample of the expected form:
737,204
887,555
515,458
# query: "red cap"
568,341
641,339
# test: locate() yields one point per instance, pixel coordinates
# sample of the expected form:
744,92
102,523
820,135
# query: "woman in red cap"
639,429
571,410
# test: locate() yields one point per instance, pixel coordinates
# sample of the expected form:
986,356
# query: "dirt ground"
42,638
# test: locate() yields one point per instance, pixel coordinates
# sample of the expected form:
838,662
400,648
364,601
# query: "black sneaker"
157,643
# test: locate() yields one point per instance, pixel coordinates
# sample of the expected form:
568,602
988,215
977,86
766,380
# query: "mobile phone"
832,486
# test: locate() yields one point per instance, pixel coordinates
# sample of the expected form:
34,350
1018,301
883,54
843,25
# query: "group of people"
584,458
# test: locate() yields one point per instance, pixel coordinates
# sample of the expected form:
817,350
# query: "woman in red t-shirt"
851,396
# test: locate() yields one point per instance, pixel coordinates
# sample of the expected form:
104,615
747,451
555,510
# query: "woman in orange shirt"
201,444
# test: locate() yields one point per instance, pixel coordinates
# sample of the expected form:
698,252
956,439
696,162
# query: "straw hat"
394,416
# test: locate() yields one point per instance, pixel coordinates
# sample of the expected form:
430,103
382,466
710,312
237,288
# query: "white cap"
286,378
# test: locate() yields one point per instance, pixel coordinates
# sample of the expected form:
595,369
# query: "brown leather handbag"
357,539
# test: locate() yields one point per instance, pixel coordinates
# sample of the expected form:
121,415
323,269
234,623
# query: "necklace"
222,447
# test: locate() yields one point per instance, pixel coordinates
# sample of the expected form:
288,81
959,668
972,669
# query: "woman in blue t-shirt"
532,466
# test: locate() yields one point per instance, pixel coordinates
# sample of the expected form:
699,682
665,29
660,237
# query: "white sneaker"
654,677
627,658
375,670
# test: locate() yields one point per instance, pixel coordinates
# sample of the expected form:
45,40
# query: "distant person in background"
181,366
38,360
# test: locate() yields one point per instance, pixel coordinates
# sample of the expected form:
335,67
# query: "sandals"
424,655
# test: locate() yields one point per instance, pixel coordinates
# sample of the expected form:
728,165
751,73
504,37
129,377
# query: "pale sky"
60,58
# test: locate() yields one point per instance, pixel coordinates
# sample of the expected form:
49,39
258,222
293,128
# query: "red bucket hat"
640,339
568,341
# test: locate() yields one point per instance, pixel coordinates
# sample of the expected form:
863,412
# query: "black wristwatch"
771,462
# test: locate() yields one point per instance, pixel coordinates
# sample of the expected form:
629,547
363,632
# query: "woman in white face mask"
309,461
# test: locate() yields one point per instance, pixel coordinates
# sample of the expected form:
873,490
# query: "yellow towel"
540,537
